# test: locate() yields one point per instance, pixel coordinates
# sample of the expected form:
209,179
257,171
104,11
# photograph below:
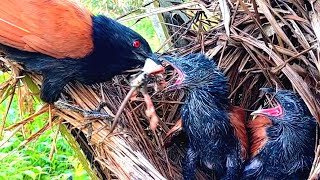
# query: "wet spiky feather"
288,149
206,120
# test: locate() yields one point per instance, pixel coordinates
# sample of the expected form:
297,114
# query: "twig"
54,141
123,104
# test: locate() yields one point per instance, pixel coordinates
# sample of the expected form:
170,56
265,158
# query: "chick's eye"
136,44
289,105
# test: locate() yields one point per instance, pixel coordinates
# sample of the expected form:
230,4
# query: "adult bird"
283,139
65,42
216,131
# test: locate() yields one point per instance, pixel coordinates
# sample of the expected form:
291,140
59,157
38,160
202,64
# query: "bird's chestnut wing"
258,129
237,120
58,28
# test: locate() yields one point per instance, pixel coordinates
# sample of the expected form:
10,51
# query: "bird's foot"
101,105
94,114
97,115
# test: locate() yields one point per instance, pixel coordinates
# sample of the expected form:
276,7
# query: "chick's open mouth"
275,109
177,75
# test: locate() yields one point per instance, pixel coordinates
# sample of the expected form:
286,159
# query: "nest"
256,44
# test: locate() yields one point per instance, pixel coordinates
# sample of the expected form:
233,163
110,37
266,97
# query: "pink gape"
274,111
180,75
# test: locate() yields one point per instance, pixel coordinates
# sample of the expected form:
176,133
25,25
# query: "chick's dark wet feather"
205,115
288,151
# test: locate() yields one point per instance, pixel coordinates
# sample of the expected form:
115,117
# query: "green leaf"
30,174
6,93
33,87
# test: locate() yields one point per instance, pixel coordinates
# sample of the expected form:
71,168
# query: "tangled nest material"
256,44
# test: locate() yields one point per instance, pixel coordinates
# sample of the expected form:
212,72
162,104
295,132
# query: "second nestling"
282,139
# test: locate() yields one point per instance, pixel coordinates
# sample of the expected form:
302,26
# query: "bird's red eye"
136,43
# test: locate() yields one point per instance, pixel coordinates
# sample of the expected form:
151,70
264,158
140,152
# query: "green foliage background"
32,162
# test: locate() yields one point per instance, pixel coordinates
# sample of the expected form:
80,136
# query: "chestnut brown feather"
47,27
258,129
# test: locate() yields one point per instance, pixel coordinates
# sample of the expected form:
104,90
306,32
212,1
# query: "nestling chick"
216,134
282,138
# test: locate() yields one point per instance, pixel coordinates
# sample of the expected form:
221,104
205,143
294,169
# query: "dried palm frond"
266,44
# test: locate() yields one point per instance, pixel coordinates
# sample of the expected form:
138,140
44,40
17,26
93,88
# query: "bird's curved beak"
153,65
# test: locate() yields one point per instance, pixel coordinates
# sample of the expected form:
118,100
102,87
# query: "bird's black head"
288,103
116,43
195,71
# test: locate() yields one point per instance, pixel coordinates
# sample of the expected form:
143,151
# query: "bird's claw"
101,105
90,130
86,114
96,115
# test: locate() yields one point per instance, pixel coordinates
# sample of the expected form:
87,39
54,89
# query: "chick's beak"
275,111
153,66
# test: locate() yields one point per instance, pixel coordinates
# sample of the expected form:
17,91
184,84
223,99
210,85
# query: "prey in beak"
139,83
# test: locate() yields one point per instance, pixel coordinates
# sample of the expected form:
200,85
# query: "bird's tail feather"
40,63
31,61
56,73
